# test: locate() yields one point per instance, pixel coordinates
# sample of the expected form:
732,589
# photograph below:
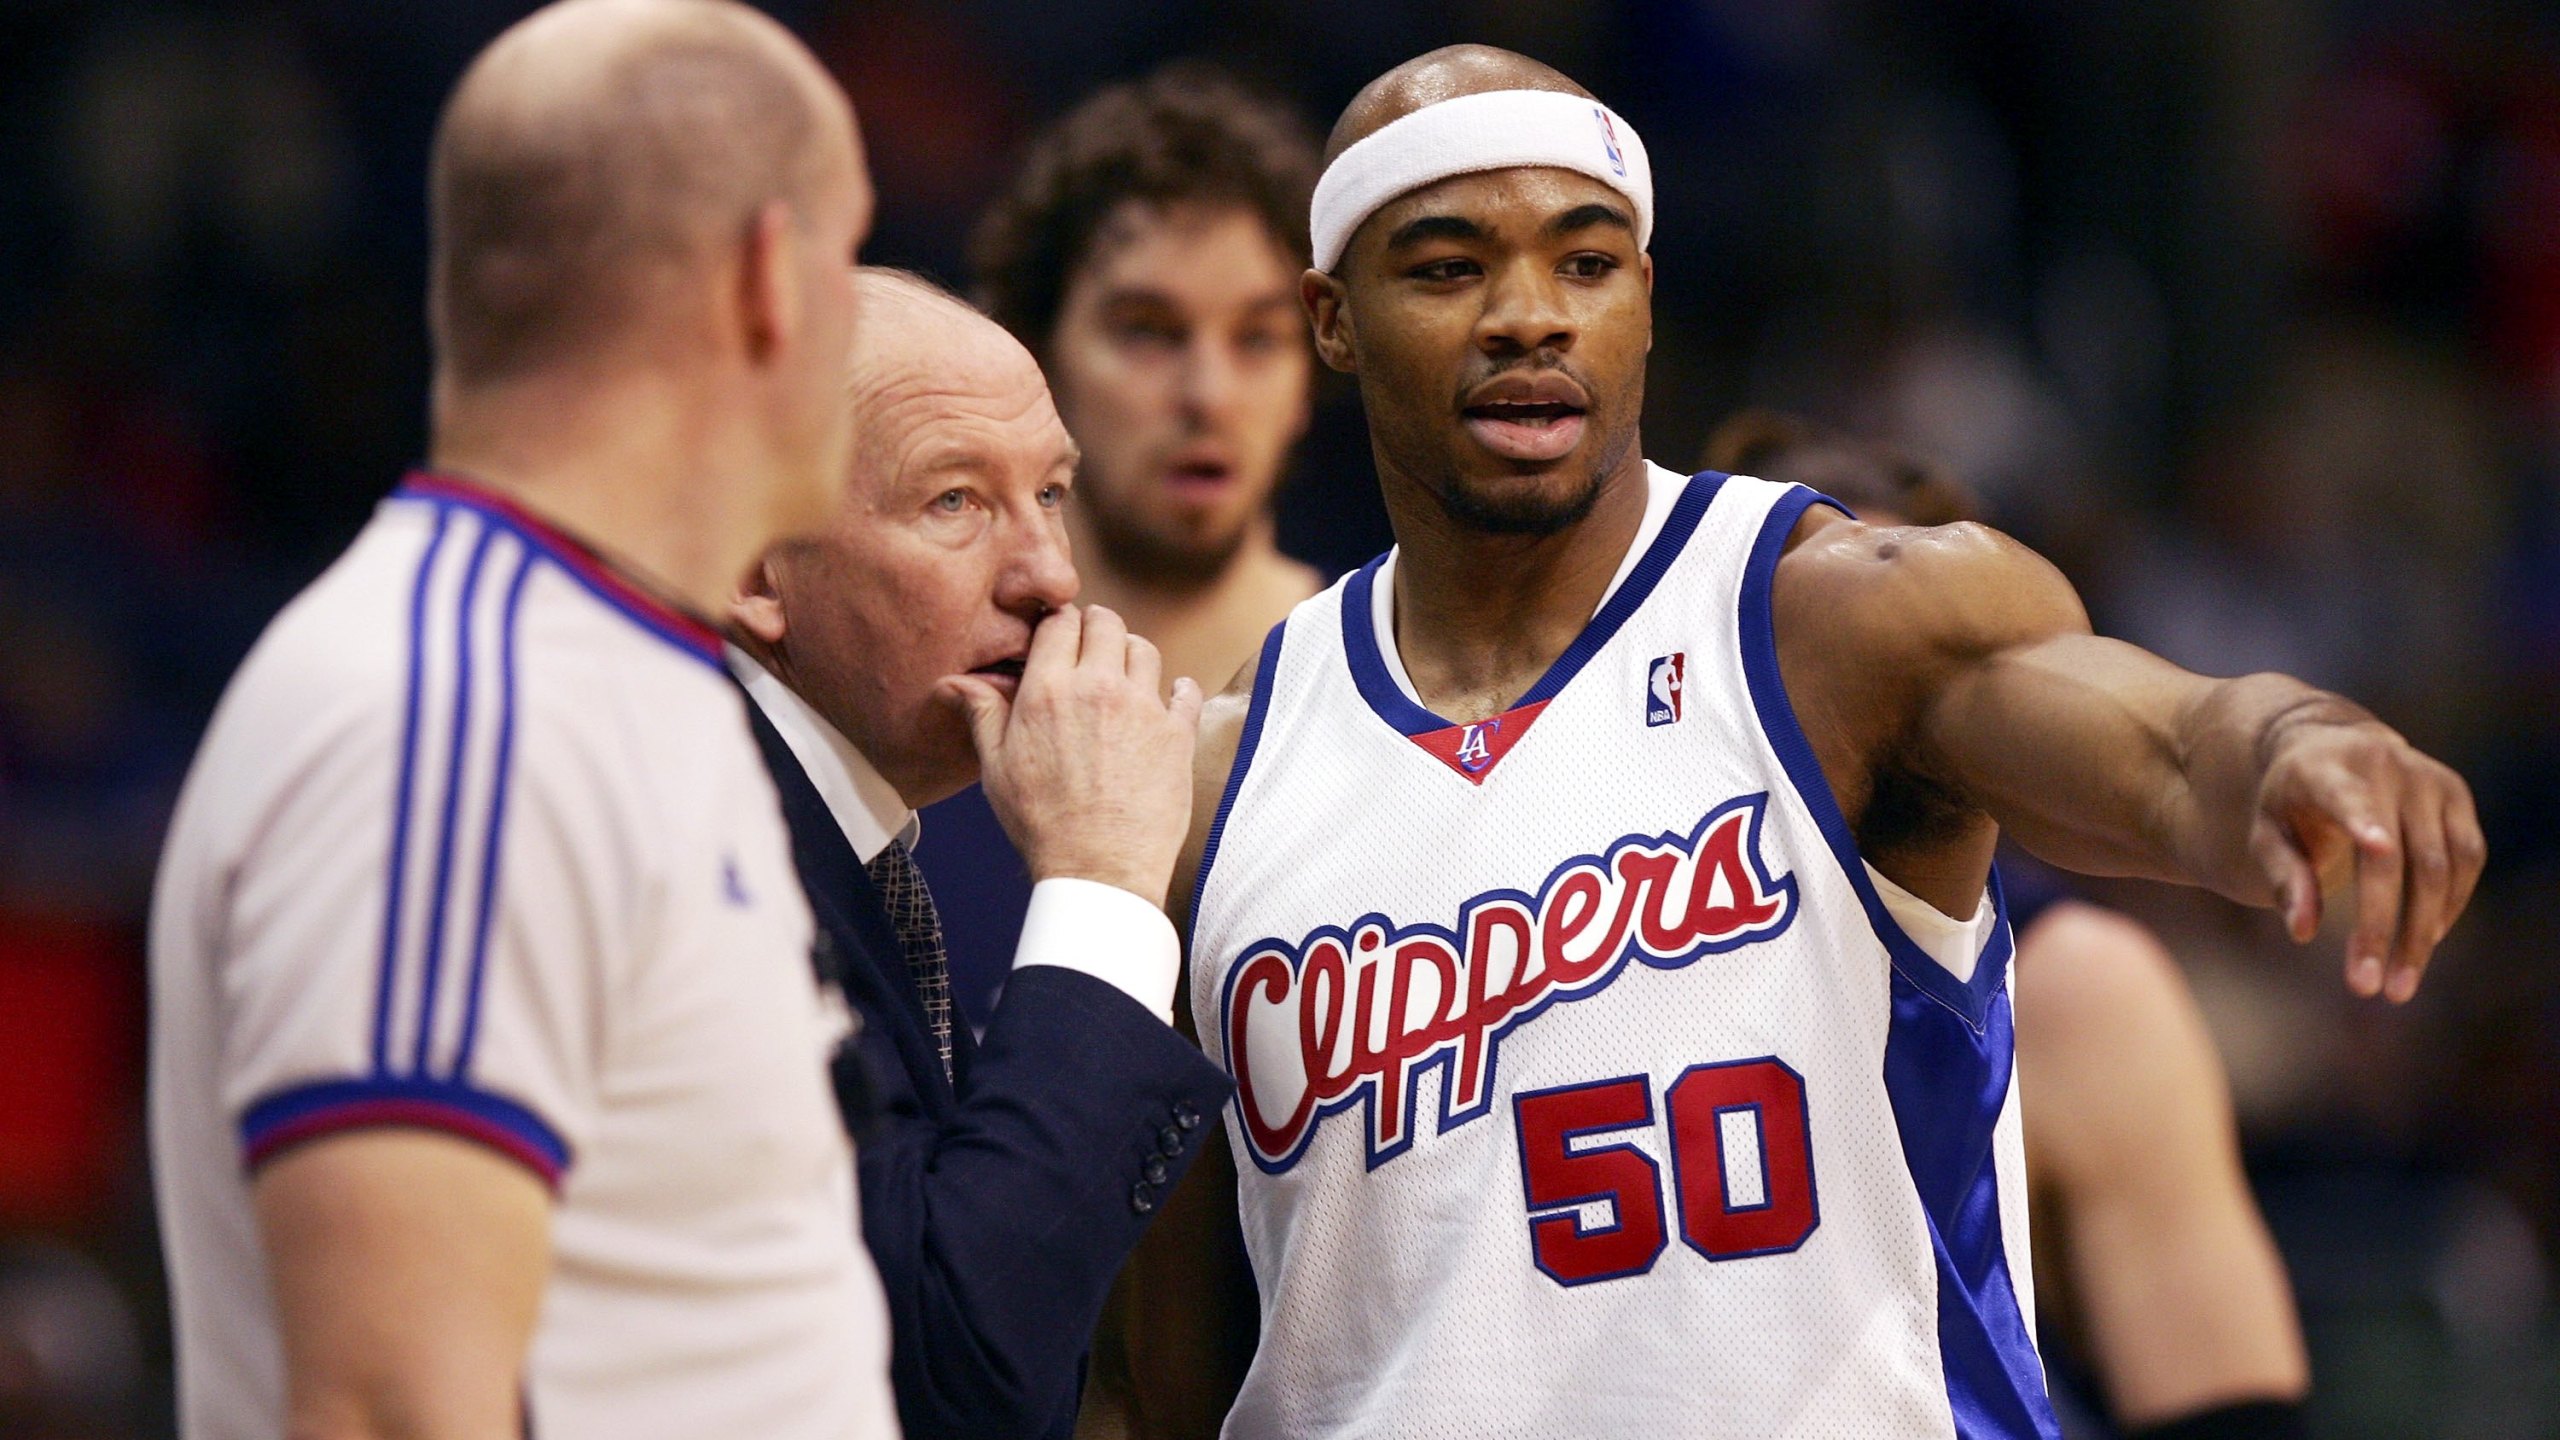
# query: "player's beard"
1531,514
1132,547
1534,514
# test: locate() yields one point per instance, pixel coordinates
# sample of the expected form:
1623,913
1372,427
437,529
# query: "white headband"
1495,130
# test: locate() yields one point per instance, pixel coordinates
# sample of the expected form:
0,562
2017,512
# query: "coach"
925,641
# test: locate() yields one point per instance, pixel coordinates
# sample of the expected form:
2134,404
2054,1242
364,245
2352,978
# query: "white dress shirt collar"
867,808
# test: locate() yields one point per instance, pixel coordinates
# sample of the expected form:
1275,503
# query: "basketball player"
1148,252
1596,911
2165,1279
488,1064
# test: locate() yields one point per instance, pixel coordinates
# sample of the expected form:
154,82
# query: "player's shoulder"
1223,719
2091,979
1884,588
2119,1070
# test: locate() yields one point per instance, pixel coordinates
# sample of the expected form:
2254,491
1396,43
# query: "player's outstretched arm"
1180,1327
407,1268
2175,1284
2104,758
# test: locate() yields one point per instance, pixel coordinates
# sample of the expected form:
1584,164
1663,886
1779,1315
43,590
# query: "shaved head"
1443,74
1498,317
599,151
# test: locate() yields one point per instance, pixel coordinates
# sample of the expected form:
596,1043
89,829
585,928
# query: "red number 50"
1748,1110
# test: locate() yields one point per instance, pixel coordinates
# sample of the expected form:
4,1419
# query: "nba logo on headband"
1470,134
1609,142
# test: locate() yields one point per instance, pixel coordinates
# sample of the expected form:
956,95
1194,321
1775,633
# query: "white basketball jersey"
1586,1085
479,842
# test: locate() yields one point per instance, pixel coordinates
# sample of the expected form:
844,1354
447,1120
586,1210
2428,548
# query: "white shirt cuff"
1107,933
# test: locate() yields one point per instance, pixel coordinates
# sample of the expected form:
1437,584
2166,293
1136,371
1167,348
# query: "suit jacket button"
1186,1114
1169,1141
1142,1198
1153,1170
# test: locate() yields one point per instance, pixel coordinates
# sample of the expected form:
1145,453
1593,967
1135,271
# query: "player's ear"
1322,296
1645,262
756,609
768,289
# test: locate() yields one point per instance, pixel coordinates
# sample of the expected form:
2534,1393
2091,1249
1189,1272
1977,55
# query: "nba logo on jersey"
1609,142
1662,688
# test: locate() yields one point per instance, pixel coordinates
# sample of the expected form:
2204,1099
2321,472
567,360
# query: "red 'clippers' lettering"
1353,1013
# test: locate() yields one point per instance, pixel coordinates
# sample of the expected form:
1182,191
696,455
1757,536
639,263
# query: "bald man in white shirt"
489,1089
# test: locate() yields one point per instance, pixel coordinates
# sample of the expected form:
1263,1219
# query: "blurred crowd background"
2246,311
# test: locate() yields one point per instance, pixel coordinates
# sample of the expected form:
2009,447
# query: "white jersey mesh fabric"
1586,1086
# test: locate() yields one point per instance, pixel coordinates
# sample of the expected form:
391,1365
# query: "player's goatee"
1530,512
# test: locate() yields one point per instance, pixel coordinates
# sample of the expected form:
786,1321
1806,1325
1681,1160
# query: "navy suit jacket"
1000,1202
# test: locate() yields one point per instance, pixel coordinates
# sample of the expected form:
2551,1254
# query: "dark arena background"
2246,312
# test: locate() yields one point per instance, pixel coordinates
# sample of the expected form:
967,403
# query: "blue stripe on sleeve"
458,756
394,881
488,907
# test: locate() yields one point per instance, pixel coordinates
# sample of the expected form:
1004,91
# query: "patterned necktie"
910,907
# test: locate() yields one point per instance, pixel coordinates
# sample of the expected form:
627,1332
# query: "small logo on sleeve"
733,886
1663,683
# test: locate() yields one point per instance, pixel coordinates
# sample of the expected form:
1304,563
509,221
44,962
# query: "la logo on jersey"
1662,683
1356,1013
1475,745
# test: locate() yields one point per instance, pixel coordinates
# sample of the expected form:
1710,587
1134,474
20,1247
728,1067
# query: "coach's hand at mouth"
1087,768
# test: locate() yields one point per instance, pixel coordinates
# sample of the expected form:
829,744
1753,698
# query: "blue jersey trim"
394,882
327,1107
1949,1053
1759,637
1263,672
1377,686
1677,527
1368,666
458,753
497,818
1947,1081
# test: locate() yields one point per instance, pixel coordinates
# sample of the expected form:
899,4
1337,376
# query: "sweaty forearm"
2103,758
2080,747
2225,740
